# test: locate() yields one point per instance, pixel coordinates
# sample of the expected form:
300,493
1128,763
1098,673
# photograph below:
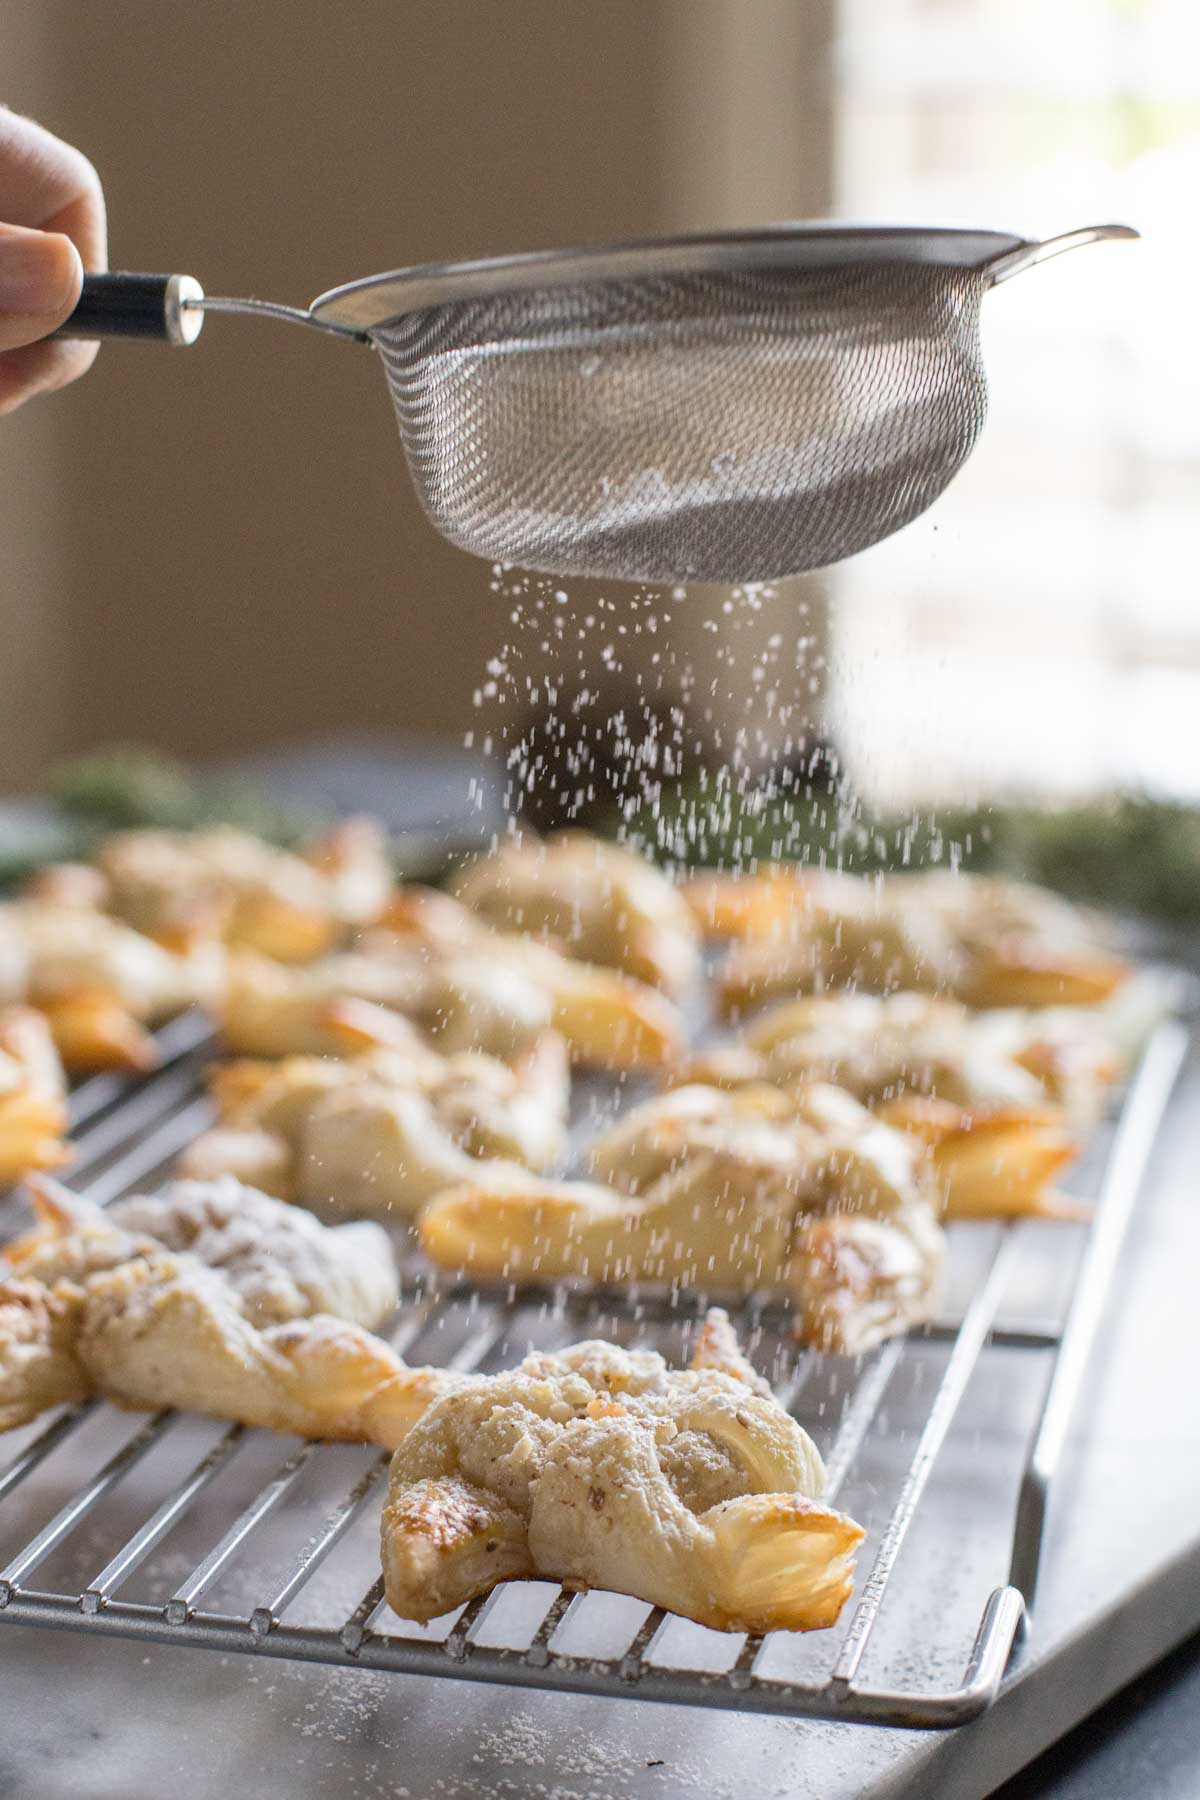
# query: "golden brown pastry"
602,1467
98,983
751,905
713,1190
495,994
383,1133
880,1047
209,1297
993,1162
280,1261
592,900
983,940
608,1018
184,887
33,1096
335,1007
38,1364
167,1331
1023,945
71,1238
993,1094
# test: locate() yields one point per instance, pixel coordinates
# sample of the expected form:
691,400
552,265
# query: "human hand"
52,209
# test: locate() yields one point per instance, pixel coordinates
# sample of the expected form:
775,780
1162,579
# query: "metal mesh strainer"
731,408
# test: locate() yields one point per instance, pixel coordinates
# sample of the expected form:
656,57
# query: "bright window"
1040,629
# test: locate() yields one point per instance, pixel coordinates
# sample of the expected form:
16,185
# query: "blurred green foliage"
1130,852
127,786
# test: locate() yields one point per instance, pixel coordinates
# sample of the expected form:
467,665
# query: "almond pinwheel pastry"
990,1093
280,1261
808,1196
98,983
591,899
985,941
495,994
184,887
601,1467
33,1096
385,1132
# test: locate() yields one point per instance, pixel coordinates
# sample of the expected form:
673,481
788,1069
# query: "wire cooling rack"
70,1476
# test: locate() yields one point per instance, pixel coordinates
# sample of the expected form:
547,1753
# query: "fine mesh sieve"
732,408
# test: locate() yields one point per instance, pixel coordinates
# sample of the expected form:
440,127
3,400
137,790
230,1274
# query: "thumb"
40,279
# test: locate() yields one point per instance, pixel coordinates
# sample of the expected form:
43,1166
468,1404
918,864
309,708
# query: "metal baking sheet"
1121,1585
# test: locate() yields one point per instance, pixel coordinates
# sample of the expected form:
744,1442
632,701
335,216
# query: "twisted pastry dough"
209,1297
279,1260
384,1133
33,1096
591,899
810,1197
216,882
97,983
491,993
601,1467
167,1331
986,941
38,1366
990,1094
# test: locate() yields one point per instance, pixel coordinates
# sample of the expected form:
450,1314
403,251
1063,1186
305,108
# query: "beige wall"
215,548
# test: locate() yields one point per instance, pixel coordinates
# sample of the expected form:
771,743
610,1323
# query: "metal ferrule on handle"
164,308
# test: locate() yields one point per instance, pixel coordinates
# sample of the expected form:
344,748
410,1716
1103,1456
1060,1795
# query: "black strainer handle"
123,305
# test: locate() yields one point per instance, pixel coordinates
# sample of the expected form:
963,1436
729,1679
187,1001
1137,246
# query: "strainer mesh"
716,427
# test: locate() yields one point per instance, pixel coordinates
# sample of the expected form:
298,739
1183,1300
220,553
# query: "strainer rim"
375,301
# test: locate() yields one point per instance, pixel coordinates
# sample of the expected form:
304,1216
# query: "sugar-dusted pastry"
337,1006
1021,944
609,1018
98,983
983,940
747,905
71,1238
210,1297
808,1196
1075,1053
592,900
182,887
602,1467
168,1331
995,1095
881,1047
495,994
280,1261
384,1132
33,1096
38,1365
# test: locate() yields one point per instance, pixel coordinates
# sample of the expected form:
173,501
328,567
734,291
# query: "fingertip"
56,268
70,274
41,277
